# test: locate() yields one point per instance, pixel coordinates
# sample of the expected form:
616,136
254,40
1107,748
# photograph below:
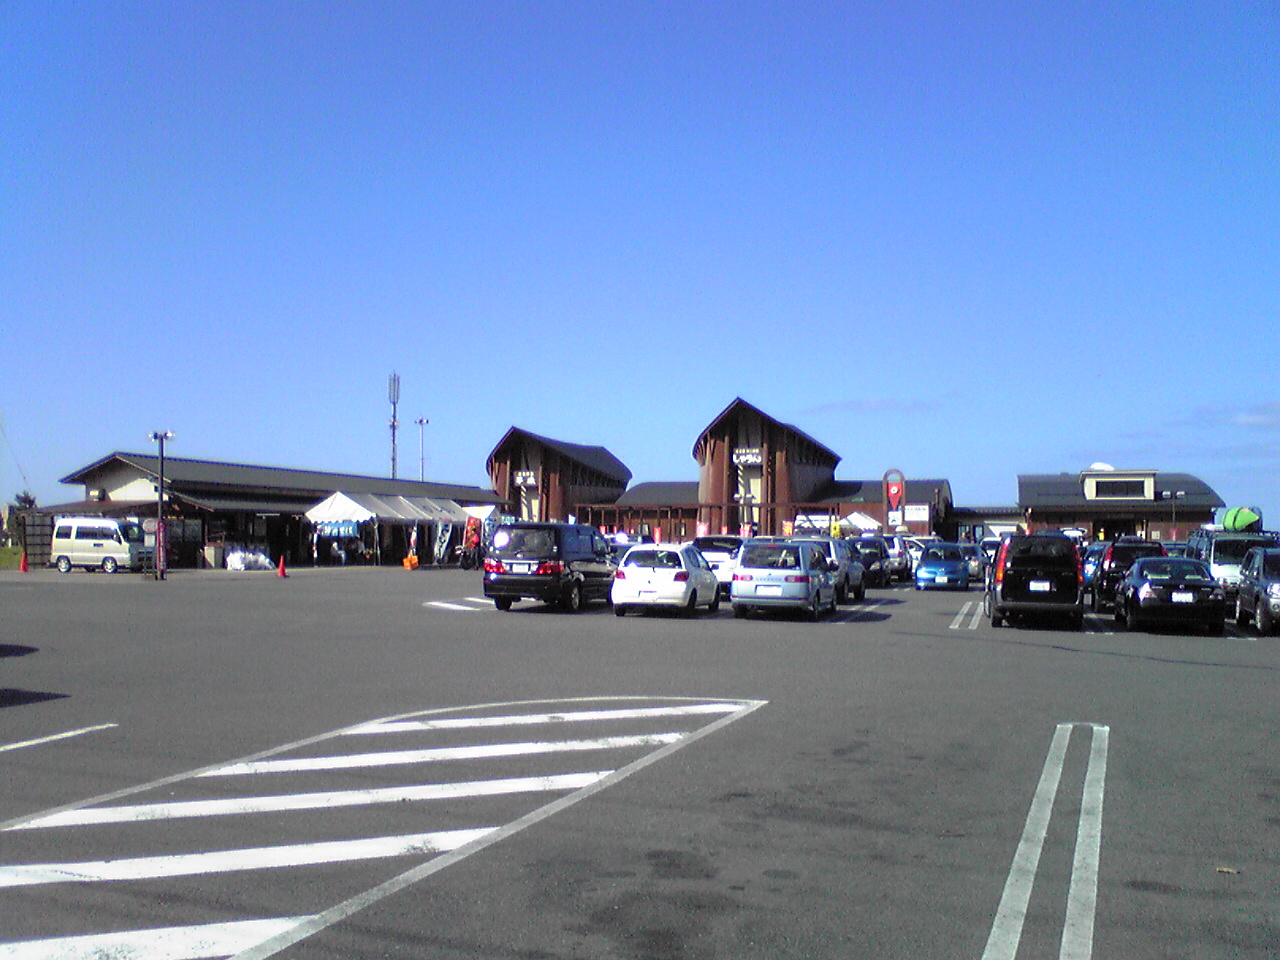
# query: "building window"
1119,489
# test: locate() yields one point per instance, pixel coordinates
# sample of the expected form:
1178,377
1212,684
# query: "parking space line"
432,755
1077,936
576,716
139,812
229,861
56,736
159,943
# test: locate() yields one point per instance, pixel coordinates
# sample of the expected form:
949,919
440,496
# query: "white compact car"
676,576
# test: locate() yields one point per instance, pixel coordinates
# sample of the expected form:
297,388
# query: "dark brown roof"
594,457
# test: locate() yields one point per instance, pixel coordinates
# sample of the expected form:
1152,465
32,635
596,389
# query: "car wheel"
1132,621
109,565
1118,611
1076,621
842,595
1095,604
1216,628
64,565
619,610
813,613
860,592
691,608
1242,615
1262,621
714,605
573,599
502,603
739,612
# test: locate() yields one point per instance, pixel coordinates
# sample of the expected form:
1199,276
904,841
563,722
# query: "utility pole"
422,455
393,394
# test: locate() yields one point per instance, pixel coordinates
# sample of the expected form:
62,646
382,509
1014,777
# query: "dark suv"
1259,596
1036,575
1115,563
566,564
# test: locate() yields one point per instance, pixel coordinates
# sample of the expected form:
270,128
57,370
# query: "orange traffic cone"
22,564
280,572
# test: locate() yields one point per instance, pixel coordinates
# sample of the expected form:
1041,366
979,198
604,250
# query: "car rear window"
771,555
660,559
1232,550
717,544
1042,548
1175,568
529,542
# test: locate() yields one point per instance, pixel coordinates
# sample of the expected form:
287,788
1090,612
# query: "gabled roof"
872,491
211,475
740,405
596,458
661,494
1066,491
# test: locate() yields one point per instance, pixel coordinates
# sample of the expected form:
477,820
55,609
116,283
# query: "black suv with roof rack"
566,564
1035,575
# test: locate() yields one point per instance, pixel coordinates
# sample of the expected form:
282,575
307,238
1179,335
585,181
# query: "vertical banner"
444,530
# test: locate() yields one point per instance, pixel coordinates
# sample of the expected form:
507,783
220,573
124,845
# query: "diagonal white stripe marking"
229,861
160,943
409,877
394,757
312,801
577,716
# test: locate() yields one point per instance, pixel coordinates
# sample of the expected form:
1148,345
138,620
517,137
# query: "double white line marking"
1077,931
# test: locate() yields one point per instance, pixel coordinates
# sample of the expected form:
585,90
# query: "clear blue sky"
963,240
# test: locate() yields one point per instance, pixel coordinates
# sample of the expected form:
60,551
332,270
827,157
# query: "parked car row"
568,565
1031,575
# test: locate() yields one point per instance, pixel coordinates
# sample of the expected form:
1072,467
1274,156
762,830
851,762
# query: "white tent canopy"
359,507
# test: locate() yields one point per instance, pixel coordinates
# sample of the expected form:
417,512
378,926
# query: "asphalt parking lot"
365,762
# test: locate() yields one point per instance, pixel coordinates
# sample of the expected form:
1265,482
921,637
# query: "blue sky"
963,240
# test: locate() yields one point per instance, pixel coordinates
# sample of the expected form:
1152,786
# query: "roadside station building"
1107,503
759,475
211,506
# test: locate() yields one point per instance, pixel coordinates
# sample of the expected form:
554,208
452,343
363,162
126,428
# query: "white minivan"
98,543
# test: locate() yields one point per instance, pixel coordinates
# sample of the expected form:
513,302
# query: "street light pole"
160,437
1173,496
422,456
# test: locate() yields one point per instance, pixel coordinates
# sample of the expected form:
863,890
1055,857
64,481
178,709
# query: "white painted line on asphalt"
57,736
395,757
359,902
955,624
977,616
1082,898
159,943
229,861
444,605
576,716
1006,931
140,812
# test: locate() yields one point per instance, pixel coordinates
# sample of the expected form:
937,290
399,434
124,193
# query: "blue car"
943,565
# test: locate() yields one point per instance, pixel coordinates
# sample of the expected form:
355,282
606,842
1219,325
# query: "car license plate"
940,578
520,567
1040,586
1179,597
769,590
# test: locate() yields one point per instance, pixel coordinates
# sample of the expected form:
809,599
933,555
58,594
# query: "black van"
566,564
1037,575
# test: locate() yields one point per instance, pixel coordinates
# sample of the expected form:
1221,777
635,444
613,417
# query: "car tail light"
998,576
682,576
744,577
1105,562
1146,592
619,575
549,568
493,565
798,578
